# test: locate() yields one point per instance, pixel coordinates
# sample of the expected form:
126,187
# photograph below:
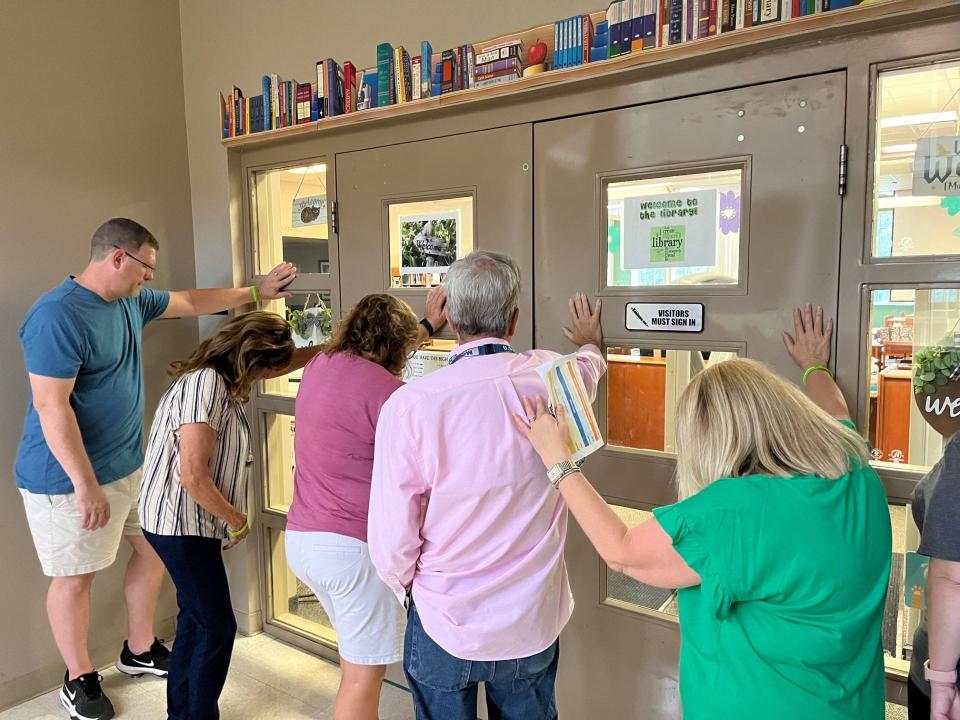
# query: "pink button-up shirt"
461,509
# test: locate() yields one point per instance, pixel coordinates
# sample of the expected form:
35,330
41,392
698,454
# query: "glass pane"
681,230
900,620
917,173
278,459
311,320
290,206
910,327
293,602
426,237
643,387
625,592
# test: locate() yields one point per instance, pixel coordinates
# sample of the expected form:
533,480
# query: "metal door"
780,145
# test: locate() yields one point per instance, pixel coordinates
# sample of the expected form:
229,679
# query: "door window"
291,215
914,351
426,237
678,230
917,180
643,387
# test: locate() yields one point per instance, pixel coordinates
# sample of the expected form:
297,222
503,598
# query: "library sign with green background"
672,230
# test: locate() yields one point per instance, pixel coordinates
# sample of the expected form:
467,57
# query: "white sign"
665,317
309,211
936,166
425,362
672,230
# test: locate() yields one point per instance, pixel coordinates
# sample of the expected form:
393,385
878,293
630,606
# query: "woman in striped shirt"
193,495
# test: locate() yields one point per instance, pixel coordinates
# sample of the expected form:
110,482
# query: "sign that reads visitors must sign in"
665,317
673,230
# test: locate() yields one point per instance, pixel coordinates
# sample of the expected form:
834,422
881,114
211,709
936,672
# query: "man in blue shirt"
79,460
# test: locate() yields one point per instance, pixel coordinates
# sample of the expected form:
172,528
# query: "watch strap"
942,676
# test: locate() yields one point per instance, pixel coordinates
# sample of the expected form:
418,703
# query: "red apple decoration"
537,53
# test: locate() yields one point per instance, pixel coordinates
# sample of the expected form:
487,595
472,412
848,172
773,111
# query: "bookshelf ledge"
833,24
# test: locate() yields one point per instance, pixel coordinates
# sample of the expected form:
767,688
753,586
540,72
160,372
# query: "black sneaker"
155,661
84,699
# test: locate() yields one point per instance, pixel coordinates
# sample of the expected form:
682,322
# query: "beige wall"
237,42
93,128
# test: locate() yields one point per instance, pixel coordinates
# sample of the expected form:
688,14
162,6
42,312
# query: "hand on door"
436,303
586,322
812,344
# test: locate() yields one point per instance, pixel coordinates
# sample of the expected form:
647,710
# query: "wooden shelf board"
834,23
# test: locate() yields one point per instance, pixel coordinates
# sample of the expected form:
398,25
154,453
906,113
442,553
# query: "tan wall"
93,128
237,42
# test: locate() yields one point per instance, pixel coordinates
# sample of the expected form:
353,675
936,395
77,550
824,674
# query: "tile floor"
269,680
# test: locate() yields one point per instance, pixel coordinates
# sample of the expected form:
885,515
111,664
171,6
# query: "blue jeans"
445,687
206,626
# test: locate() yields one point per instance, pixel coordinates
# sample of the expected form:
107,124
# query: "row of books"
629,26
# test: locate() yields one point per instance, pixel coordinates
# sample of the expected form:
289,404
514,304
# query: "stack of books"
630,26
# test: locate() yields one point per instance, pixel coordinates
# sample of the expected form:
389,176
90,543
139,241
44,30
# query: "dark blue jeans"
445,687
206,626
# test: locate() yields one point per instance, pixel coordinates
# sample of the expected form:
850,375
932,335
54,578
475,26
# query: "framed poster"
429,243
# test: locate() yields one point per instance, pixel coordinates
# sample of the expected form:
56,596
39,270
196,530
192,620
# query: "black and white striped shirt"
165,507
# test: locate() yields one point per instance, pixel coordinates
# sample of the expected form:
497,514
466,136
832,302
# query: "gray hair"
483,290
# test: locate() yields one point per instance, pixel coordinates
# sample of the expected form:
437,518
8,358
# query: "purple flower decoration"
729,212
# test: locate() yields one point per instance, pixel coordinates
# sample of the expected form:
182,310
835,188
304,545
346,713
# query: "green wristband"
254,293
237,533
813,369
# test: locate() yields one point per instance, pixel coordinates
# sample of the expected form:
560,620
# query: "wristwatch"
942,676
559,471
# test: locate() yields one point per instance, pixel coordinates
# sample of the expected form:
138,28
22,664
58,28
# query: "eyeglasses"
151,268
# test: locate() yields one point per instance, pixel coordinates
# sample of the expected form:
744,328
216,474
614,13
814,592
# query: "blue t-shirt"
71,332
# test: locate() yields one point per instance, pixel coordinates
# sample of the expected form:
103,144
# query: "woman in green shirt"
780,543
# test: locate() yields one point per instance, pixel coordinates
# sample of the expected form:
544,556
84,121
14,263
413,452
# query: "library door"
723,207
406,211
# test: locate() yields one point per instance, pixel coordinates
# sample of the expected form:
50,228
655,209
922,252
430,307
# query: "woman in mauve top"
339,401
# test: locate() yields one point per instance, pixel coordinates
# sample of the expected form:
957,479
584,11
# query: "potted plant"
311,325
936,384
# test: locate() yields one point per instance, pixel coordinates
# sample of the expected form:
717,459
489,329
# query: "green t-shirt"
786,622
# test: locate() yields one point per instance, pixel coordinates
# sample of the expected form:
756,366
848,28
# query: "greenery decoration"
934,366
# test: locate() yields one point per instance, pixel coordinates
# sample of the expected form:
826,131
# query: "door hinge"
842,181
334,218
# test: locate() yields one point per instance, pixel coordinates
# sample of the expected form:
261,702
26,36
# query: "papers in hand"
565,388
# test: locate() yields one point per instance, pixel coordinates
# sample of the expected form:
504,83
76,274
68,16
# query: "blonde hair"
240,350
738,418
380,328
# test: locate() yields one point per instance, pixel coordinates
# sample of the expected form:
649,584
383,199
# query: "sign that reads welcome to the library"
671,230
936,166
665,317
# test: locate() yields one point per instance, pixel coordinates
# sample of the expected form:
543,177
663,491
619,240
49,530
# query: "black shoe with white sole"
83,698
155,661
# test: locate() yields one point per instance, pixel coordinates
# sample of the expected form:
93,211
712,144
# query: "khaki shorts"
65,548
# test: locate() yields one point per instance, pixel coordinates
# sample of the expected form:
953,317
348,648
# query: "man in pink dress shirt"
460,514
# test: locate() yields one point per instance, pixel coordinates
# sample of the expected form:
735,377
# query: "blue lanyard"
488,349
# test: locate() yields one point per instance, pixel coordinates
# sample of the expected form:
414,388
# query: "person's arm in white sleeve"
396,495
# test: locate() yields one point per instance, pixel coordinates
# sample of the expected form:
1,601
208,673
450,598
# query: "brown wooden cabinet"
894,395
635,401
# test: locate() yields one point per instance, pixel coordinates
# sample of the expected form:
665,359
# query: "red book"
349,87
796,9
586,39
